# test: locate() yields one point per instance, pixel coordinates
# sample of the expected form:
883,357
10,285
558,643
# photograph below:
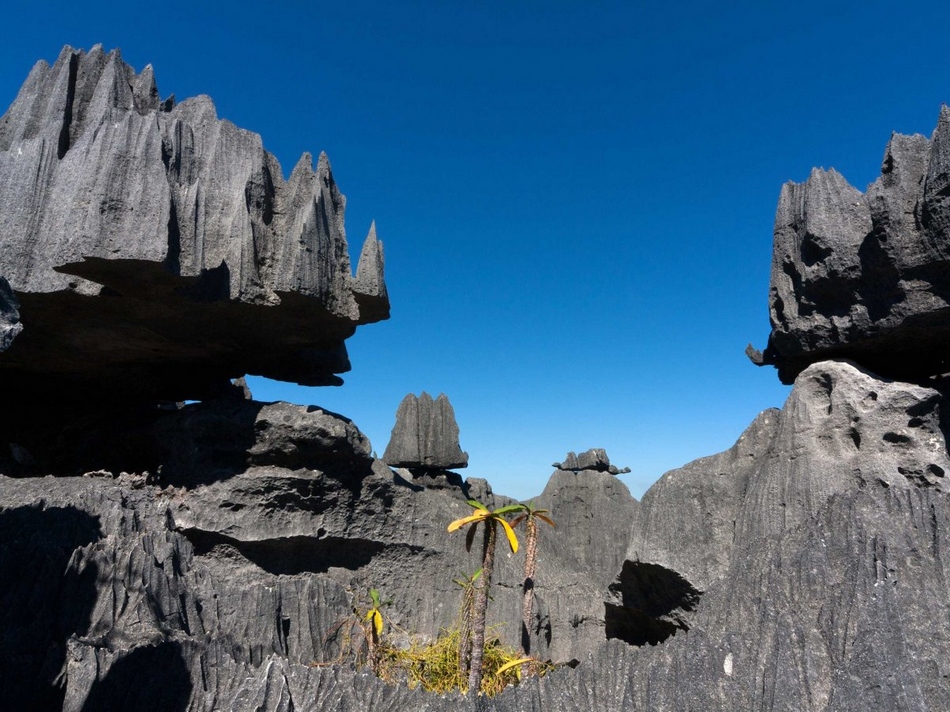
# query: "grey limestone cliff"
802,569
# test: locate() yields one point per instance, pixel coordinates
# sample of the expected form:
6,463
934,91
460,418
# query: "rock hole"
855,438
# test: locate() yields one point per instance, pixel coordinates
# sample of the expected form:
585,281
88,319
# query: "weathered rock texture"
217,578
157,251
212,551
425,435
806,563
866,276
802,569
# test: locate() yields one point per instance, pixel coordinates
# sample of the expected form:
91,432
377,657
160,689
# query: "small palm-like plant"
491,519
530,515
374,617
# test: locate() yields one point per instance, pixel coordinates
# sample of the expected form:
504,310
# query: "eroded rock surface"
425,435
801,569
157,251
866,276
595,516
233,565
814,546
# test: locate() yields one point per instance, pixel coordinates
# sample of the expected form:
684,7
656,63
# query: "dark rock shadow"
880,286
43,601
147,678
654,602
196,444
294,555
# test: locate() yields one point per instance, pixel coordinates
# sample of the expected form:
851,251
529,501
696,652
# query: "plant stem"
480,609
527,600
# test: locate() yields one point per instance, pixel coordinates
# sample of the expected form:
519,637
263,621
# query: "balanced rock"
594,459
425,435
866,276
156,251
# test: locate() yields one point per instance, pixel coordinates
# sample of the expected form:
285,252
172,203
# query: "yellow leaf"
512,539
459,523
377,619
513,663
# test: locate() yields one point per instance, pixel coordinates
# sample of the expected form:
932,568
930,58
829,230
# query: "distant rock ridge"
866,276
594,459
425,435
157,252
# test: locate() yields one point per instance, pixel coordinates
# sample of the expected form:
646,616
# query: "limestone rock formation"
802,569
157,251
208,555
866,276
425,435
223,569
810,573
594,459
595,516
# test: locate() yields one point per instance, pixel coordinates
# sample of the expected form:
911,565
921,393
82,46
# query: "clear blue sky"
576,198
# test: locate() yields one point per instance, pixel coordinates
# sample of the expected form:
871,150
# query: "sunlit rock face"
866,276
156,250
802,568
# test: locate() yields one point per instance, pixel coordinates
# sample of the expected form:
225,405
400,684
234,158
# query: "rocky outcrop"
802,569
866,276
425,435
594,514
211,552
807,560
237,560
594,459
157,251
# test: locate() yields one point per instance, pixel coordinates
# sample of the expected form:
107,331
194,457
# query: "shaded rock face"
425,435
156,251
195,444
221,582
866,276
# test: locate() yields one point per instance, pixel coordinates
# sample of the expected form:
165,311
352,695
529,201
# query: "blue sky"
576,198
